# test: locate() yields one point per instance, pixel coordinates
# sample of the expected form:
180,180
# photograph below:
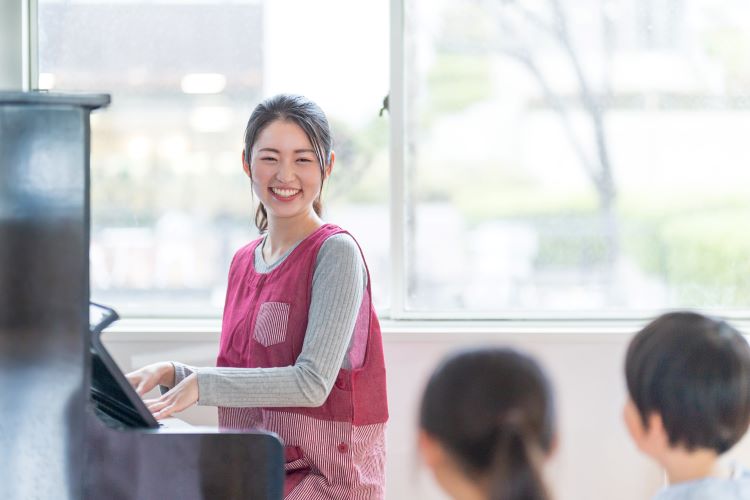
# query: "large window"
576,157
546,158
170,203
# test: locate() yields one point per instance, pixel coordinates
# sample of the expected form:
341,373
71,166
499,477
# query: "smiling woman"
301,351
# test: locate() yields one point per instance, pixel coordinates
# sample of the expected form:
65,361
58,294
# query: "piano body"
52,445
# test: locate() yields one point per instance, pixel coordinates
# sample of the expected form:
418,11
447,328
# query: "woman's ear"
329,168
245,165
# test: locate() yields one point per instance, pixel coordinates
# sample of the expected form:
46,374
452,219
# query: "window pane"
170,203
577,156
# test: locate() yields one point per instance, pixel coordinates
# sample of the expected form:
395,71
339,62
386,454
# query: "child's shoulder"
735,488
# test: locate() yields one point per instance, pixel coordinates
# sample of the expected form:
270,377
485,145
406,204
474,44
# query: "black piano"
56,439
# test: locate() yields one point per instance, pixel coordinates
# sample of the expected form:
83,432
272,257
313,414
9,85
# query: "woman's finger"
157,406
141,389
165,412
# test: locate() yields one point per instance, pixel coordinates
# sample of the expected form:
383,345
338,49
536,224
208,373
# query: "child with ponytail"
488,425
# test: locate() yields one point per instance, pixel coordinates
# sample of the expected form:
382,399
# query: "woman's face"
285,170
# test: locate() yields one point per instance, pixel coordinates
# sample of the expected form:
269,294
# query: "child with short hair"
688,378
487,425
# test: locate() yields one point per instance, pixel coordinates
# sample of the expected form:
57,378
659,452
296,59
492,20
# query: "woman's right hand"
148,377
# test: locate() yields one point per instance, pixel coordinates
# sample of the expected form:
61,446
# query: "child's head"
688,378
307,116
487,416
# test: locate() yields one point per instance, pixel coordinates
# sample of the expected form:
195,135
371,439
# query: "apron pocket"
270,325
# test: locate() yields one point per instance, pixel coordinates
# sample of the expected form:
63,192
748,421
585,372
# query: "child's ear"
430,449
657,435
651,439
554,445
633,423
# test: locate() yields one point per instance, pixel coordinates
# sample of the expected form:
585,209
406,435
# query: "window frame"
397,311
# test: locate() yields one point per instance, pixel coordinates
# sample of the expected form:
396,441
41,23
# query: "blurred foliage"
523,201
696,243
703,256
570,243
360,173
456,81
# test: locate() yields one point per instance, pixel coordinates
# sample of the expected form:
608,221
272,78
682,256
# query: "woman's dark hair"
694,371
492,409
310,118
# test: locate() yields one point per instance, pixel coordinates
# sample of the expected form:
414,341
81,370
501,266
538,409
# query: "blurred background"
562,157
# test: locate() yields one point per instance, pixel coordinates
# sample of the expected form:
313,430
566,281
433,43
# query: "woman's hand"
150,376
181,396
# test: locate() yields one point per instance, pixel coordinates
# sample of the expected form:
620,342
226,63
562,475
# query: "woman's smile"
284,194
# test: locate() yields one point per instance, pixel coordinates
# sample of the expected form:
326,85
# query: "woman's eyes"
272,159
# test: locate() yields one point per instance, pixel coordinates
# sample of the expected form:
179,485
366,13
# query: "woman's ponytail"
515,471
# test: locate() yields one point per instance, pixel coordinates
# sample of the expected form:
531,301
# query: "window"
568,157
546,158
170,203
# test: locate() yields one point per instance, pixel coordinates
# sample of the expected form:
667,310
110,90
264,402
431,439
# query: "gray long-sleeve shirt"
339,282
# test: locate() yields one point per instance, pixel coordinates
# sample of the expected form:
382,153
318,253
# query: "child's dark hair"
694,371
493,411
310,118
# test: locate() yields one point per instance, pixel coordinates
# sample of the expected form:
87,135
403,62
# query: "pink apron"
337,450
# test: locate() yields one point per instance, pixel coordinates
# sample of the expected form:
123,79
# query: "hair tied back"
512,418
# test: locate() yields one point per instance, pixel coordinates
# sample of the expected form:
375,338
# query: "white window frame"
397,114
18,25
29,73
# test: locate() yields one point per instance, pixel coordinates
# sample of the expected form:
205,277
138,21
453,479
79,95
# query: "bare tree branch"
521,54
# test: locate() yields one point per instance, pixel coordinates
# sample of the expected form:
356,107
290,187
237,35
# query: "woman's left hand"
180,397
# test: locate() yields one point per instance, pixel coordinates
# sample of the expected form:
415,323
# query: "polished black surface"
52,445
188,465
86,101
43,296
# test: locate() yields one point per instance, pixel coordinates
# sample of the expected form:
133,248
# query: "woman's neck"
285,232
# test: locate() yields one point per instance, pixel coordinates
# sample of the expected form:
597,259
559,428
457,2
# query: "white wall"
595,459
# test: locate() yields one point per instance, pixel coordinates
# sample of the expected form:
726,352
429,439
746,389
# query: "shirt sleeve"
181,371
338,287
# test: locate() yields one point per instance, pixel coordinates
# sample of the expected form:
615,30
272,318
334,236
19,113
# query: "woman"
301,351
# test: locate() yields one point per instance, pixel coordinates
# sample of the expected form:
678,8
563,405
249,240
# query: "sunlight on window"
170,202
577,156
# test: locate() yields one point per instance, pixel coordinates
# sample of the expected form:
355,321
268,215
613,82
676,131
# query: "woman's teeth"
286,193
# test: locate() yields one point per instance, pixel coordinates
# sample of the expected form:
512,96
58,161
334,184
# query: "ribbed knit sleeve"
339,281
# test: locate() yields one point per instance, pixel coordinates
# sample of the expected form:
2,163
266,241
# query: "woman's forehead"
283,135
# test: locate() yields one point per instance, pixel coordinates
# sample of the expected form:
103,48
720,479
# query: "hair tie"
512,418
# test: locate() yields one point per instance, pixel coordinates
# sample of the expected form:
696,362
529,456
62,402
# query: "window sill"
398,331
